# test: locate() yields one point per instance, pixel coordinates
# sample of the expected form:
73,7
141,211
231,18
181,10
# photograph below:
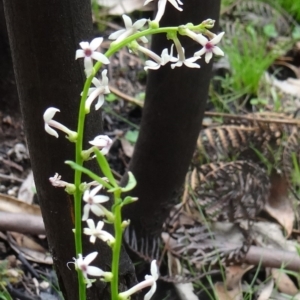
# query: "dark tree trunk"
172,116
43,38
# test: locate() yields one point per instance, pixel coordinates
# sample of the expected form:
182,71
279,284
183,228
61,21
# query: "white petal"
99,102
101,141
179,2
89,258
97,210
154,270
217,51
49,113
104,77
202,39
95,190
147,1
151,292
200,52
190,62
92,239
79,54
174,3
139,24
86,195
100,225
94,271
100,199
50,130
208,56
100,57
88,66
149,64
127,21
95,43
91,224
86,210
96,82
105,150
178,64
116,34
84,45
217,38
160,10
92,97
88,231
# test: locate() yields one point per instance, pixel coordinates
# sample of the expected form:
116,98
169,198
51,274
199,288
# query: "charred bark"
43,39
172,117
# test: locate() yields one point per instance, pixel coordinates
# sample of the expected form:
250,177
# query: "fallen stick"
23,223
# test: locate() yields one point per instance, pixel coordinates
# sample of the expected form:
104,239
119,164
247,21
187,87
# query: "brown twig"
273,258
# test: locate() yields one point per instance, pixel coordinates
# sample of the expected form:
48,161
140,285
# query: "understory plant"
87,200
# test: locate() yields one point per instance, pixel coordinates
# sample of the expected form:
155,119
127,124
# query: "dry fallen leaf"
29,248
266,291
11,204
283,282
127,147
231,289
280,205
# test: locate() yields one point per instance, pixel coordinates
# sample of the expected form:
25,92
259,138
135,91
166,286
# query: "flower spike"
88,52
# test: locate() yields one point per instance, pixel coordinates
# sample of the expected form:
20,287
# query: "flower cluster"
93,203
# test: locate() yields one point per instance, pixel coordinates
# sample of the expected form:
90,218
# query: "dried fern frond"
230,191
225,142
146,248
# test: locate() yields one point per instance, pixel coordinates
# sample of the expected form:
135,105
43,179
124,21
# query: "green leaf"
270,31
105,168
130,184
128,200
111,97
88,172
132,136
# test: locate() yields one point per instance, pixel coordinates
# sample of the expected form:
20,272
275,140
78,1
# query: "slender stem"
77,181
117,246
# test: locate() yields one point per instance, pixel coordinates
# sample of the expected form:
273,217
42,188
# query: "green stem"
77,181
117,245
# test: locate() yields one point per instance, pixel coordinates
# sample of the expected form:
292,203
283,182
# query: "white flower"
101,88
160,61
102,142
129,30
209,47
97,232
89,53
48,116
150,280
93,202
162,6
83,265
55,181
181,60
